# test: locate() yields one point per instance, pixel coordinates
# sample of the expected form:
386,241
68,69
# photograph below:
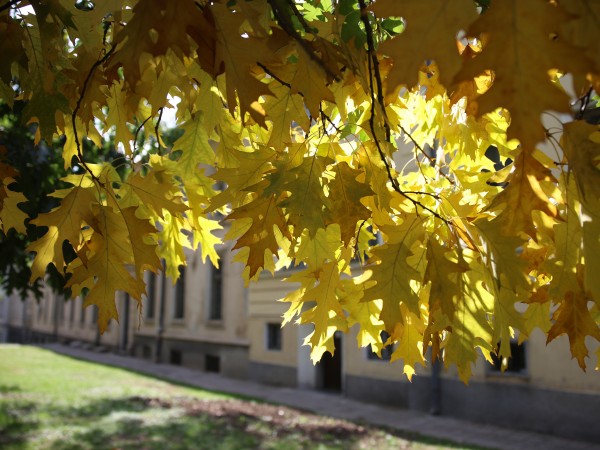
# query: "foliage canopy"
390,151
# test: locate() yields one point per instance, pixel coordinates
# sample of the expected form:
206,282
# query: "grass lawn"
49,401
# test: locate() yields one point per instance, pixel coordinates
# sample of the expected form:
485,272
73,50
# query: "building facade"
210,321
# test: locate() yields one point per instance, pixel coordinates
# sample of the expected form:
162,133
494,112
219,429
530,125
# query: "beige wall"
52,316
247,311
196,324
552,366
264,308
548,366
356,362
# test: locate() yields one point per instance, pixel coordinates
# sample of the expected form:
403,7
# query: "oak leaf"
65,222
521,52
430,33
260,235
573,319
346,192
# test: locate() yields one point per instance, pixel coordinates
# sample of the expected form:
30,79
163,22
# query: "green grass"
49,401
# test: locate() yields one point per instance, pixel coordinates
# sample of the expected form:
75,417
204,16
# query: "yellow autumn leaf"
573,318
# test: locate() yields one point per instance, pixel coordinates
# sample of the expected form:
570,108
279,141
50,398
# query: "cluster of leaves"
43,165
388,151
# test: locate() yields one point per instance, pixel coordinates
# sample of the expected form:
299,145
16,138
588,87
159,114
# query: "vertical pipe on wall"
436,388
56,312
125,326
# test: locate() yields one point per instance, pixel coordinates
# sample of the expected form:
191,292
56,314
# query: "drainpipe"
125,329
98,336
55,318
24,322
161,320
436,388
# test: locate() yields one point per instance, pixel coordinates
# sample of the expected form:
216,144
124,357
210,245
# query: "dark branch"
275,77
282,16
300,17
78,106
160,113
325,117
137,132
374,74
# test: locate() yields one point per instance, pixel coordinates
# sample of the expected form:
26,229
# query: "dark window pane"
274,336
212,363
175,357
180,295
516,363
215,309
151,299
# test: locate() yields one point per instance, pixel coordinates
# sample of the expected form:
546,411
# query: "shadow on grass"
17,416
99,408
187,422
183,423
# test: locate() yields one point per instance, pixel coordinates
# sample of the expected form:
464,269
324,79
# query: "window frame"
520,371
273,337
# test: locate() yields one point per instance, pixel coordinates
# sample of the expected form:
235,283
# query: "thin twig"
137,131
299,16
374,74
78,106
585,101
325,117
160,113
284,21
275,77
356,249
375,69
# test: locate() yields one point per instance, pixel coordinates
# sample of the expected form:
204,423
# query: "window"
212,363
146,352
386,352
517,363
175,357
151,297
274,336
179,311
215,306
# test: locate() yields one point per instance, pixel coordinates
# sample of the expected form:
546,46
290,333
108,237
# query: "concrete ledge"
233,360
522,407
272,374
400,394
566,414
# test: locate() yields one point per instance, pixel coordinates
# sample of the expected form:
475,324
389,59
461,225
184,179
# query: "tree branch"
374,74
78,106
137,132
275,77
283,19
160,113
